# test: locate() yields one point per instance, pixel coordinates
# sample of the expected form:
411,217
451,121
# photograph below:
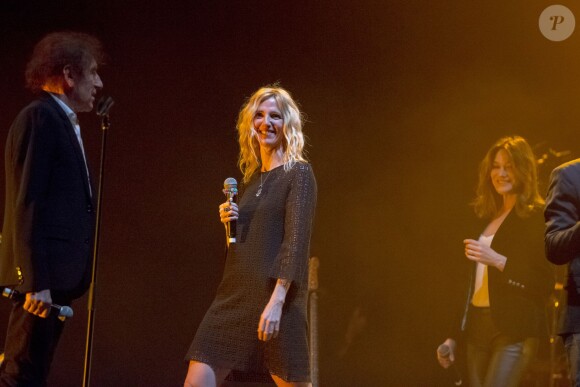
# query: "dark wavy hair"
488,202
57,50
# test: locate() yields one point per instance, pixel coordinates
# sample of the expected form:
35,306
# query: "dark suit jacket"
562,237
49,218
518,295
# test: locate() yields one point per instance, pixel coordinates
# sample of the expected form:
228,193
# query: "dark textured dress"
273,238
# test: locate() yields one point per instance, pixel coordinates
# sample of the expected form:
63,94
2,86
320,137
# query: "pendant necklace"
262,183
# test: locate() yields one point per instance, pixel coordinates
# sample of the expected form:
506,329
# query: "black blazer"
562,237
518,295
49,218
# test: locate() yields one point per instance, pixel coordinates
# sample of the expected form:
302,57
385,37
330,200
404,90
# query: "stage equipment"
64,312
103,107
231,191
443,350
313,265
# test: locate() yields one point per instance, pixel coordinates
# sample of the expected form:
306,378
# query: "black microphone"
64,312
231,191
104,105
443,351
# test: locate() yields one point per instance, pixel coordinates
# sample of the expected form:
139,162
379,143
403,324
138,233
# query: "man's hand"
38,303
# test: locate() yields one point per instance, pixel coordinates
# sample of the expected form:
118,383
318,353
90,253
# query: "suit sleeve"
562,236
32,158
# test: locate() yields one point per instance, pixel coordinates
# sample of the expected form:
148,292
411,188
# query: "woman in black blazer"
504,314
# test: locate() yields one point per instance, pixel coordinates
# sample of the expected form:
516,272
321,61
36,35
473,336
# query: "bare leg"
202,375
282,383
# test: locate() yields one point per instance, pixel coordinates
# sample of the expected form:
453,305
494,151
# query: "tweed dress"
273,238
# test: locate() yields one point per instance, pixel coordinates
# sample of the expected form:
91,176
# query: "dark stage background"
403,99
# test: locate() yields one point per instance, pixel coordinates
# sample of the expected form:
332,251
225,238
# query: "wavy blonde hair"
292,141
488,203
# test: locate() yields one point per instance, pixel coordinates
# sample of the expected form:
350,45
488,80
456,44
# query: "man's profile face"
84,88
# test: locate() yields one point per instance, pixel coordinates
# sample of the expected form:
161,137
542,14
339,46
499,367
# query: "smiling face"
502,173
268,124
83,88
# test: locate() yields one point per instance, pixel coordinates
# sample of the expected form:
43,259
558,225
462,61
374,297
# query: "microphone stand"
313,265
103,111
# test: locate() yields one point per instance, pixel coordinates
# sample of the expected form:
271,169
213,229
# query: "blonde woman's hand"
269,325
228,212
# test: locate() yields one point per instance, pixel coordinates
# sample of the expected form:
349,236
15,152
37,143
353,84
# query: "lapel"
72,136
505,230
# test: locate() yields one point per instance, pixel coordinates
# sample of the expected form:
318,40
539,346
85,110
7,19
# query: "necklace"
262,183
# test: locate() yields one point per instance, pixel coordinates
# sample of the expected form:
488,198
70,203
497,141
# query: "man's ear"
67,73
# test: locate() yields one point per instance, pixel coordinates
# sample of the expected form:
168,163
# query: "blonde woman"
257,322
510,280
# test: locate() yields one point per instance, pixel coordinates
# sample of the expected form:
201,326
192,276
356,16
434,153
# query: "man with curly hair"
49,219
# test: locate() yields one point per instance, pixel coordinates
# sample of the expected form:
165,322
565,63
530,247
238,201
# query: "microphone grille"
104,105
230,183
66,311
443,350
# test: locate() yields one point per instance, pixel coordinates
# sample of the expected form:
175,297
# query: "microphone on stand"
64,312
443,351
231,191
103,107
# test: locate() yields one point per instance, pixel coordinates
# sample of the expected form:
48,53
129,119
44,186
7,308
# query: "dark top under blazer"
49,218
517,295
563,235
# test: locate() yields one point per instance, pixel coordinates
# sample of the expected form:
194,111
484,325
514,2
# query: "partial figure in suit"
504,314
49,220
563,247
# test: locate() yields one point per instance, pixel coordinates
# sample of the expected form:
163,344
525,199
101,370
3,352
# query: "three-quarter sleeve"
291,262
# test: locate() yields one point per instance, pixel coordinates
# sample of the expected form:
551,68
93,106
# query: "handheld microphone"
64,312
231,191
443,351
